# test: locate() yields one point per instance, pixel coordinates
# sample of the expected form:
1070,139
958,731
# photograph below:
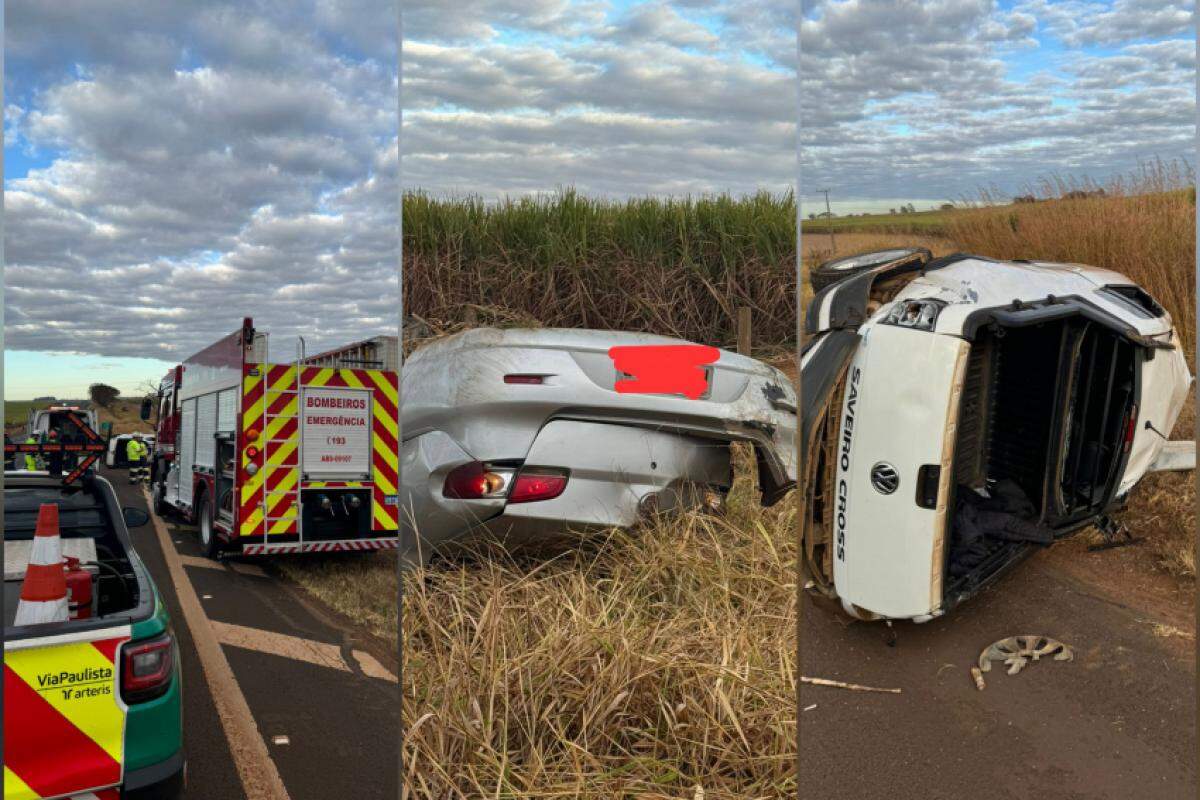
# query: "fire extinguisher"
79,589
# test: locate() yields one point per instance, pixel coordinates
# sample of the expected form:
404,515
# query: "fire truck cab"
276,457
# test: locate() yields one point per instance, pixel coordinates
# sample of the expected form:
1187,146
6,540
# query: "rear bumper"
162,781
342,545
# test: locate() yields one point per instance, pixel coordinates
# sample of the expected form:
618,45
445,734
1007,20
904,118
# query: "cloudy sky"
173,167
614,98
934,99
170,168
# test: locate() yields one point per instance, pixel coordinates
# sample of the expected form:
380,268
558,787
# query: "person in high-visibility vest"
31,458
136,451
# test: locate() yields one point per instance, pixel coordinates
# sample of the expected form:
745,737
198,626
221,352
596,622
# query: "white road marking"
236,566
258,773
321,654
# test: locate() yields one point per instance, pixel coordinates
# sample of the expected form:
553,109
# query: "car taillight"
526,379
477,481
146,668
1130,427
535,485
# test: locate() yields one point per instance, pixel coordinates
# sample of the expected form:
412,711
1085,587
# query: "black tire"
204,522
158,501
839,269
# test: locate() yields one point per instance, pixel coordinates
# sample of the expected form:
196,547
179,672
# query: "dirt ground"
1118,721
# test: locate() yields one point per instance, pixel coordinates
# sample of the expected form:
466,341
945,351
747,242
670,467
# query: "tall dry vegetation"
673,266
644,665
1142,225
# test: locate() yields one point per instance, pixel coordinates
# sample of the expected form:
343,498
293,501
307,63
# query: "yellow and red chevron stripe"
270,441
385,442
64,727
270,409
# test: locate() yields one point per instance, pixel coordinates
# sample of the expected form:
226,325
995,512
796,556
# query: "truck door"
186,456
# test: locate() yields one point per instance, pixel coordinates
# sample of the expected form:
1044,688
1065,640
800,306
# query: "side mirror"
144,411
134,517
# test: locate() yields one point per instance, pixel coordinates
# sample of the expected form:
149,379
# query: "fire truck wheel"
208,537
157,499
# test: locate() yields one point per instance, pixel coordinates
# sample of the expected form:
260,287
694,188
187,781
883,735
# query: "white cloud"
942,98
661,98
213,160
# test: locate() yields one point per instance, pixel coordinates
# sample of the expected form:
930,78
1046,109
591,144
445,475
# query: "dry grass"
1143,226
360,585
678,267
644,665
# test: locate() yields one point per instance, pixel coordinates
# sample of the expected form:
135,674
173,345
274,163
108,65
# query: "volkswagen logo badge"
884,478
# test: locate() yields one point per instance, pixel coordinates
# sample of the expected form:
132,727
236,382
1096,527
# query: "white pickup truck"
959,412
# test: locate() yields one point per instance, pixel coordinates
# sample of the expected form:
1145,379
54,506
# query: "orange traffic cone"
44,592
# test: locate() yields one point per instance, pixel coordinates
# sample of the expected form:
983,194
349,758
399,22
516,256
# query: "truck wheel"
839,269
208,536
158,501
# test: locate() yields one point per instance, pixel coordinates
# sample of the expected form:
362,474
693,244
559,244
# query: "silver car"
522,434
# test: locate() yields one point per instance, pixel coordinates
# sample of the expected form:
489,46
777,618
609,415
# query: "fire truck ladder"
281,456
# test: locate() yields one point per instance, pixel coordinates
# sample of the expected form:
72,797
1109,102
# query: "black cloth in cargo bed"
983,525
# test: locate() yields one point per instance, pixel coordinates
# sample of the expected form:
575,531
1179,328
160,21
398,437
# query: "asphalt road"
322,696
1117,722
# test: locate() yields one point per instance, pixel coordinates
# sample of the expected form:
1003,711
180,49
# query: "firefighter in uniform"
136,452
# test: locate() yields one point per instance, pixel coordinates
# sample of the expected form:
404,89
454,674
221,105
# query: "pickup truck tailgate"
64,722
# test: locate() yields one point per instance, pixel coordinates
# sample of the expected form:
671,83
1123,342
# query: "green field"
675,266
16,412
928,223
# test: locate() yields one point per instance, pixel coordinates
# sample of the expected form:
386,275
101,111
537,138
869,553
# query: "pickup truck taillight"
1130,427
146,668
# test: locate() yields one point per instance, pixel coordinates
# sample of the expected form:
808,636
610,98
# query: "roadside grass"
1144,226
658,663
678,266
361,586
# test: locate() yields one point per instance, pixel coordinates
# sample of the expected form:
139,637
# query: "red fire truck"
276,457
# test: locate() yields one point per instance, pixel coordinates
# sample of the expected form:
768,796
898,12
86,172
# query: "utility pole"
829,221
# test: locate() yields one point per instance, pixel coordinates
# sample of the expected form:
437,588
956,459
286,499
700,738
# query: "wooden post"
743,330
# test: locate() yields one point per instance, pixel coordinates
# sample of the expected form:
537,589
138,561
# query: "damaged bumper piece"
948,429
522,435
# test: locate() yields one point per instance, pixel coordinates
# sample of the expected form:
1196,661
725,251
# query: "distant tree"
102,394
